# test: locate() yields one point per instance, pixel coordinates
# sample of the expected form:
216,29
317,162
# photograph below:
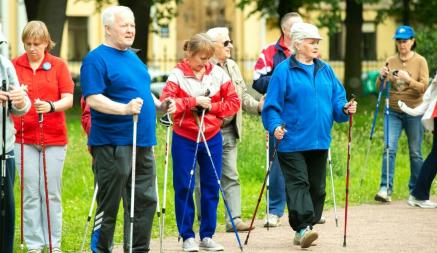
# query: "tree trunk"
141,10
31,8
52,13
406,12
286,6
353,56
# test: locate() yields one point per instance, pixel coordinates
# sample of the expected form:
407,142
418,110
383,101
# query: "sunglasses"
227,42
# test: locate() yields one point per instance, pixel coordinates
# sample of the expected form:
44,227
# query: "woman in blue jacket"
306,97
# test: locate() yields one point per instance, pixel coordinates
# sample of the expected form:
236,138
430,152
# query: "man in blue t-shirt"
116,85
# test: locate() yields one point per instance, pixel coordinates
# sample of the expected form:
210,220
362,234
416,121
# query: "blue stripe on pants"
183,154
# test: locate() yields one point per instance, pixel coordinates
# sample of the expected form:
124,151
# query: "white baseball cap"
305,31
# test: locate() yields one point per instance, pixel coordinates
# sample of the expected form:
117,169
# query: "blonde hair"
38,30
200,42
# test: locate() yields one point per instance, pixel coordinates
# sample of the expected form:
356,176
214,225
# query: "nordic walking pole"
387,137
333,188
167,123
43,150
372,129
228,210
348,171
132,196
158,211
262,188
3,160
268,179
193,167
22,184
96,188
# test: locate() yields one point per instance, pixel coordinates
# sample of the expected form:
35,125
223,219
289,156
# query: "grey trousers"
230,180
35,212
112,168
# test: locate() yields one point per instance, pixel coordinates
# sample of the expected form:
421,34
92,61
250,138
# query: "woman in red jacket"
50,89
203,93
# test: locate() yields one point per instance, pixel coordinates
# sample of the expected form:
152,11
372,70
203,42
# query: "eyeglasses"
227,42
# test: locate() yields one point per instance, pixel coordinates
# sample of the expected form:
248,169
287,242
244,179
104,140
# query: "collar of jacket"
318,64
280,46
188,72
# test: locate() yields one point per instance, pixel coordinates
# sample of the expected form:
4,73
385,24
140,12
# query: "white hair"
215,32
108,15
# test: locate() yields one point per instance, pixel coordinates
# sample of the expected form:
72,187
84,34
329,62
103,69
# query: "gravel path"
394,227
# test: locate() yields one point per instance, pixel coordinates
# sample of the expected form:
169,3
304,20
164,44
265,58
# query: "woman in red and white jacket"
196,85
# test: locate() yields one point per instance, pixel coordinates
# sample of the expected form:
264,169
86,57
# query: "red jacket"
49,81
183,86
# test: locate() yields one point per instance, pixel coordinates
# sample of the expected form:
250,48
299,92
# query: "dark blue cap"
404,32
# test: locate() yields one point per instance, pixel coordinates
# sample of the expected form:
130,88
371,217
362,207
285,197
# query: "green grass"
78,177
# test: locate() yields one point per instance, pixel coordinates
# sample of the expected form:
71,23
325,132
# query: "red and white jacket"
183,86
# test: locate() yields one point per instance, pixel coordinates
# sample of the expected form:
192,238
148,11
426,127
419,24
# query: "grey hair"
108,15
296,38
213,33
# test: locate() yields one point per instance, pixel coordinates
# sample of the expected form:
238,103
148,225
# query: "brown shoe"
241,227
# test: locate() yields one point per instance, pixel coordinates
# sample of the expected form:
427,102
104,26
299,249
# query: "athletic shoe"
412,201
34,251
56,250
209,245
241,227
322,220
190,245
307,237
382,195
273,221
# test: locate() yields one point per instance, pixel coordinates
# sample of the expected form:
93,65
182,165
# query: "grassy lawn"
78,178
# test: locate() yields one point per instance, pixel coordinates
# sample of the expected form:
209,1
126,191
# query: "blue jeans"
276,183
414,131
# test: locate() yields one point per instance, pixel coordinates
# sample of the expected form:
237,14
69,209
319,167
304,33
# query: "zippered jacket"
7,73
307,105
183,86
269,58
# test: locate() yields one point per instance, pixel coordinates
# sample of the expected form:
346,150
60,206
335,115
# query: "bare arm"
103,104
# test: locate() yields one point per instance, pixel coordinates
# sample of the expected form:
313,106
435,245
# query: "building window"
77,38
369,41
336,46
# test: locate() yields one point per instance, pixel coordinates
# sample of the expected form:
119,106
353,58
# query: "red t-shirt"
49,82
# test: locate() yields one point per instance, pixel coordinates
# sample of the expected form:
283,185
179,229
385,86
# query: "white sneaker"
412,201
34,251
209,245
382,195
272,220
56,250
190,245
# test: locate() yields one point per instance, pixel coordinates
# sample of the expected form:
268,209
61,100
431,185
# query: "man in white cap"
13,100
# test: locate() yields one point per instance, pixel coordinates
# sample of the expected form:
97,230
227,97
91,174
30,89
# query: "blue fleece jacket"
306,104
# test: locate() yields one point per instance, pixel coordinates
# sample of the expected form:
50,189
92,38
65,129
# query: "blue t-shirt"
120,76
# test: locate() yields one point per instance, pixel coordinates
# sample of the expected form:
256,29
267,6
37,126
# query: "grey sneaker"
296,240
382,195
272,220
308,236
190,245
412,201
210,245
